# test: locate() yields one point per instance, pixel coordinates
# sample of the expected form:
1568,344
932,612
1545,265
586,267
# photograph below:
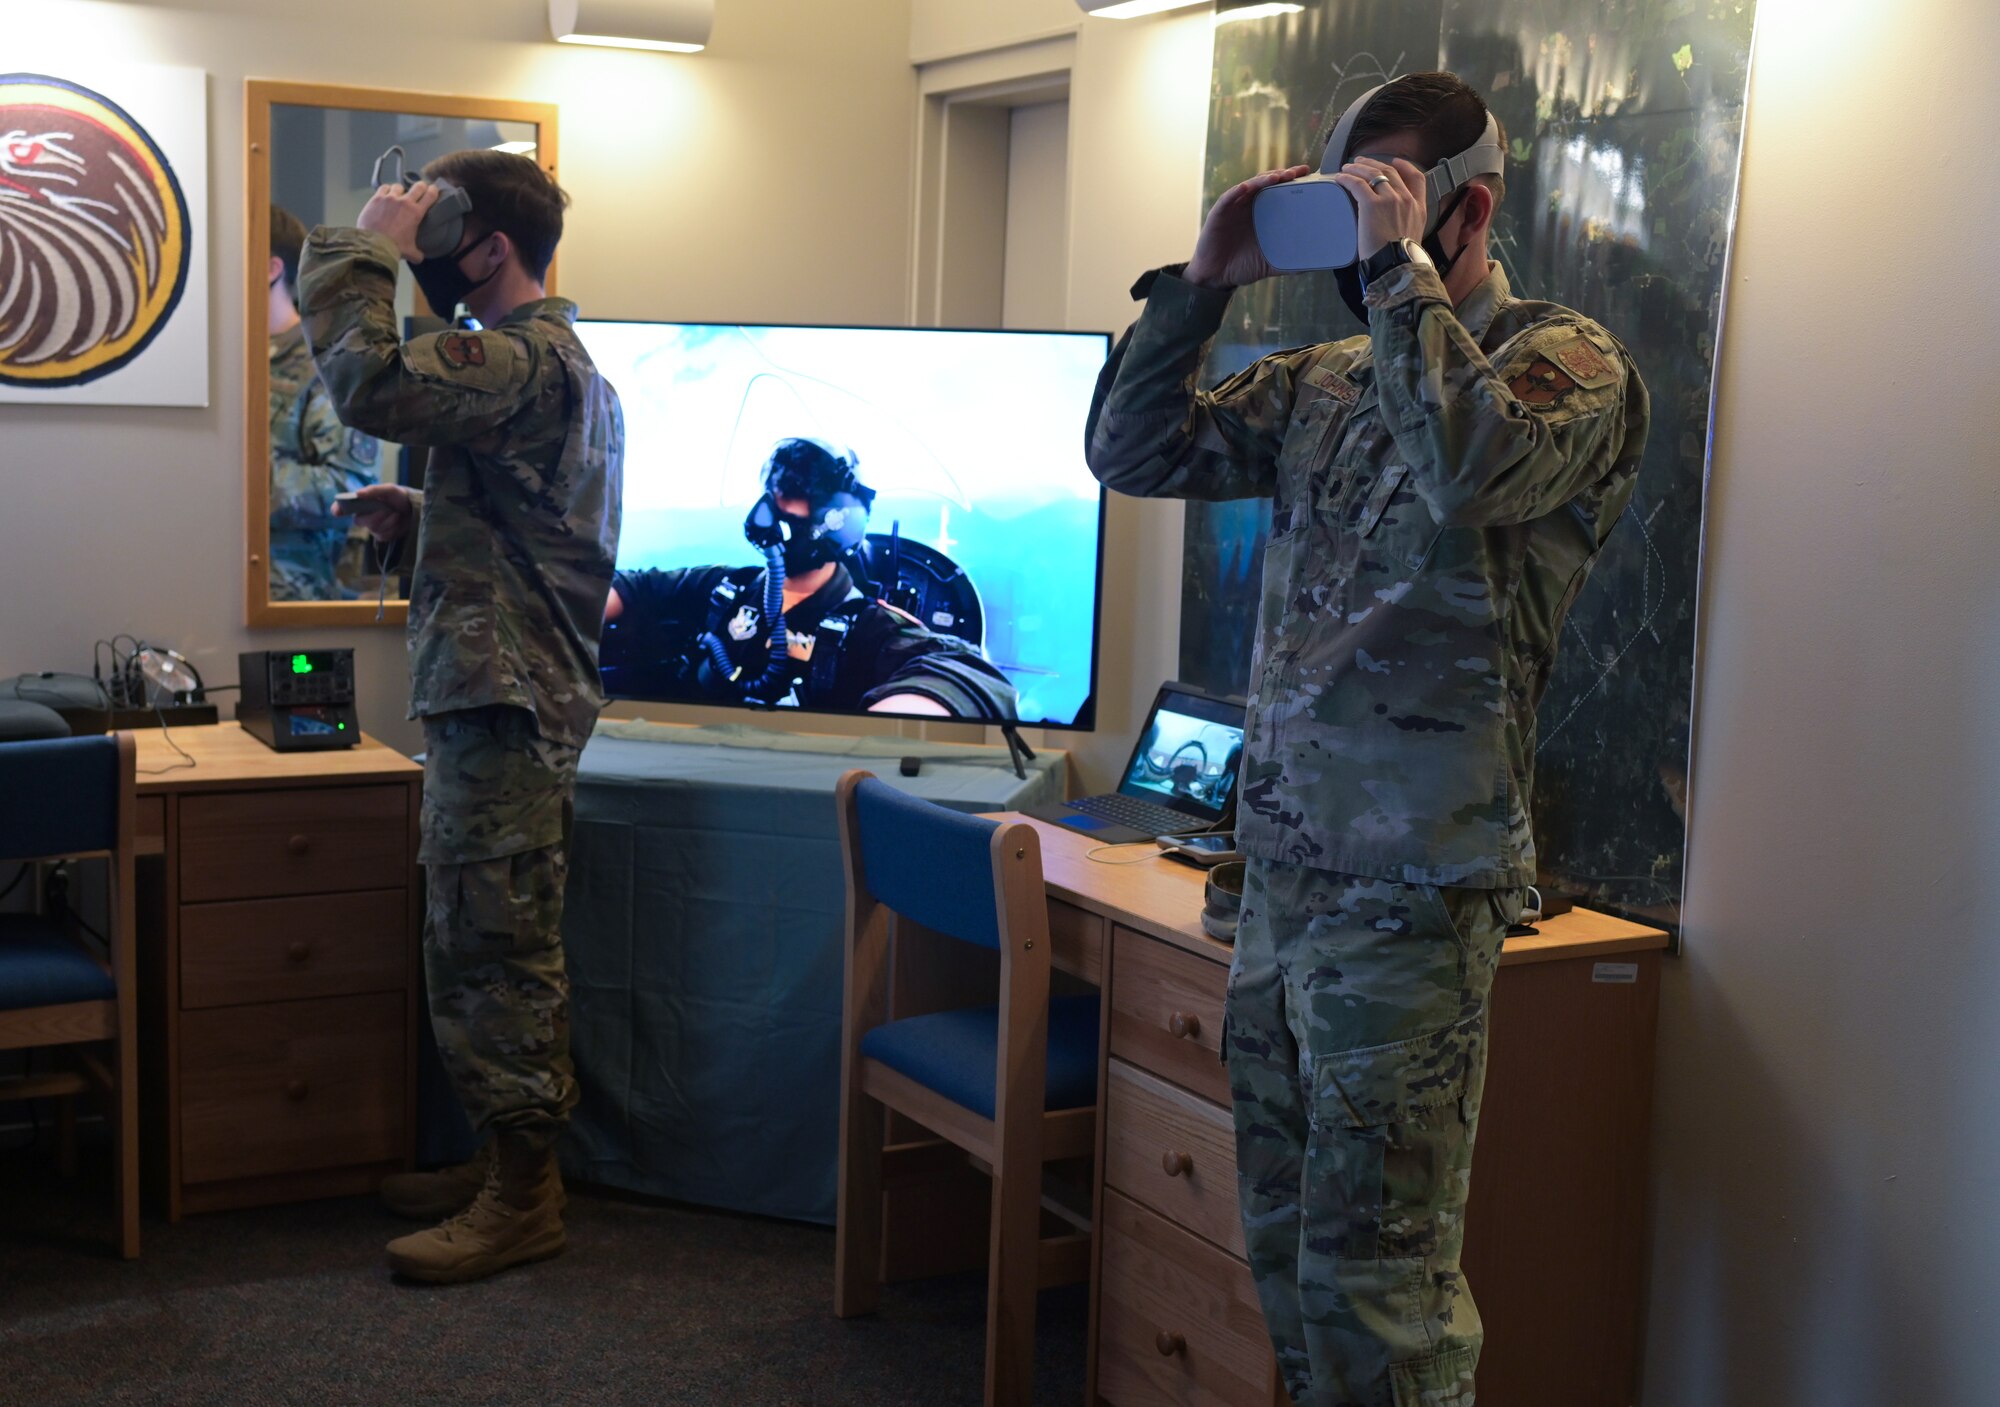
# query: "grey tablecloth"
703,933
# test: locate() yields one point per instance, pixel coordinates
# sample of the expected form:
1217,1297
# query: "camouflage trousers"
496,853
1356,1042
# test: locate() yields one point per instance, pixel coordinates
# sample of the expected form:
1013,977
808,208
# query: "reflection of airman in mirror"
313,456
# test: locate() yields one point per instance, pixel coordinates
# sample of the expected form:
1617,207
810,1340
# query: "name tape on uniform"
1623,973
1335,385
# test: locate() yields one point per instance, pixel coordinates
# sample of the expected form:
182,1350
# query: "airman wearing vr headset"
516,534
1439,490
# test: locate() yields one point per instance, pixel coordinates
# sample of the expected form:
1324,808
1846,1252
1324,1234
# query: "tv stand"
1018,752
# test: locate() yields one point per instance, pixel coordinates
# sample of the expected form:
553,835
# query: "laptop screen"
1188,754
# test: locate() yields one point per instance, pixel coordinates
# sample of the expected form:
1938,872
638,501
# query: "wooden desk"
278,950
1555,1230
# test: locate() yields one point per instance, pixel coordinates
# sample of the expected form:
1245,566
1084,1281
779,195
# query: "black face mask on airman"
445,283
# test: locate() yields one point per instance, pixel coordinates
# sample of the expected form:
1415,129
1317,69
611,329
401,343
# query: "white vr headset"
1313,223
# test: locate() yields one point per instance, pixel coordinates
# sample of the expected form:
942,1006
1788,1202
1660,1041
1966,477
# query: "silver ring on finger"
1378,183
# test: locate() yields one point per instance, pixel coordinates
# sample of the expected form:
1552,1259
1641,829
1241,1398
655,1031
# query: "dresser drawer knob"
1176,1164
1184,1025
298,845
295,1090
299,952
1170,1343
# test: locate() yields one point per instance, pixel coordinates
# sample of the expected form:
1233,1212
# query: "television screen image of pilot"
911,504
1186,757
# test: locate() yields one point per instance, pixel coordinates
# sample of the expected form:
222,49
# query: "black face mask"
445,283
1434,242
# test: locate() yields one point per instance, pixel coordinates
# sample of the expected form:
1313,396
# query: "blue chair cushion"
41,966
61,796
927,862
954,1052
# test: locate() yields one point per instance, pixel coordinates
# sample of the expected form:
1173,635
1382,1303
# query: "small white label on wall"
1622,972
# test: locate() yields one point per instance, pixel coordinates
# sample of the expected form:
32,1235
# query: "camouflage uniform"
1439,490
313,457
515,545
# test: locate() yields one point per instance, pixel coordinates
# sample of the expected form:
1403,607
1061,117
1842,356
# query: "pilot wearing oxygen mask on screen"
1439,489
798,630
516,533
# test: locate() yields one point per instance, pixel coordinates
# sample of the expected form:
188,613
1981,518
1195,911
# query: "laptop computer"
1181,777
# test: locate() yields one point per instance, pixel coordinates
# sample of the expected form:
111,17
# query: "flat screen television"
970,591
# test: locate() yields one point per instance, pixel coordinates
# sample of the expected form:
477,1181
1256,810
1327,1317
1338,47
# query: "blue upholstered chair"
1014,1085
70,798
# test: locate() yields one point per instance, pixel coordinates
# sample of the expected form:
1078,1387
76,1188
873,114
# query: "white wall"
1138,130
942,29
1826,1228
768,178
1034,285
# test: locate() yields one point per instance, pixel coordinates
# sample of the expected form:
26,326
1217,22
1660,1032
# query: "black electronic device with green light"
299,700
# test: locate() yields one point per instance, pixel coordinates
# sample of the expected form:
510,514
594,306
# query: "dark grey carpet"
653,1304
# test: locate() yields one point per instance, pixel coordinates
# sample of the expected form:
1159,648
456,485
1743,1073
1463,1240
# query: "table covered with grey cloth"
703,936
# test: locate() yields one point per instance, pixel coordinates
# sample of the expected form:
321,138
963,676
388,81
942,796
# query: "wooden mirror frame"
259,96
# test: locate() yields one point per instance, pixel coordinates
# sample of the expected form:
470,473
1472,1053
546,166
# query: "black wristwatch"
1393,255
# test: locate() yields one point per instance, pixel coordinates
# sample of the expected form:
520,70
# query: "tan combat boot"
433,1196
515,1219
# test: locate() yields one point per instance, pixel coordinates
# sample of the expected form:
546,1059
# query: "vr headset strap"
1483,158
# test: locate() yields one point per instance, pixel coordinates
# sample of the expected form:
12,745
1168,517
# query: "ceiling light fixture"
1131,9
666,26
1257,12
514,148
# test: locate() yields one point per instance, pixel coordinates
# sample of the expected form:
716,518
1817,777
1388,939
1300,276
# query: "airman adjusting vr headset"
1313,223
444,223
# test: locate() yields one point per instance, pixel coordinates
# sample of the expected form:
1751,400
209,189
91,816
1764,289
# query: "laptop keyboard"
1140,815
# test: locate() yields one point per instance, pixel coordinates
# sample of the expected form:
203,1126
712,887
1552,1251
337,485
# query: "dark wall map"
1625,121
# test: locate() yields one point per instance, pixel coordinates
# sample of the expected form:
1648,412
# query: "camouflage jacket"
520,509
1439,489
313,457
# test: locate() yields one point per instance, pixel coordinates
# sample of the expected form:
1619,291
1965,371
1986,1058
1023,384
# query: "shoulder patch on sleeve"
1542,385
490,361
1580,358
462,349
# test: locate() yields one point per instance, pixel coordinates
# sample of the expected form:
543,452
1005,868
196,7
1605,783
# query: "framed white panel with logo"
104,235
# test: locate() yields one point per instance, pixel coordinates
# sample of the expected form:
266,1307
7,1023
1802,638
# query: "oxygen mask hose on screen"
777,676
770,686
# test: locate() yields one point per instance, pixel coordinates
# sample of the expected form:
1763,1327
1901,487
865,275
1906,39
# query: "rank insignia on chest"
1583,362
1332,383
744,626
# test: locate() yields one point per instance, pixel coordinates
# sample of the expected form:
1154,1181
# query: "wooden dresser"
278,950
1556,1225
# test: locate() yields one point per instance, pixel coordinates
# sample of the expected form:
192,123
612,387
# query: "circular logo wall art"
94,236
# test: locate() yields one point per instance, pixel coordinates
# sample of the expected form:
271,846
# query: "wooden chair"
1014,1086
74,798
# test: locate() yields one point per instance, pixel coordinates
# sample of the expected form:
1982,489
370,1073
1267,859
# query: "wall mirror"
311,154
